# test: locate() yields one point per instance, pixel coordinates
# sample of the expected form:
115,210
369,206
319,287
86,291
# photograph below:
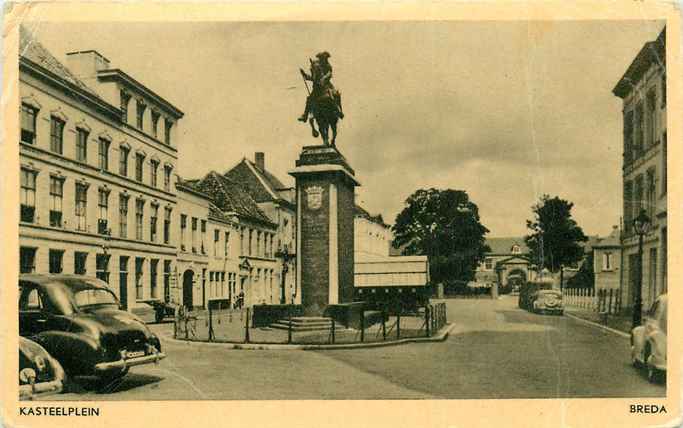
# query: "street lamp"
641,225
286,257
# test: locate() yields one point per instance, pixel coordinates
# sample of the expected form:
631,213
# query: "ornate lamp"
641,225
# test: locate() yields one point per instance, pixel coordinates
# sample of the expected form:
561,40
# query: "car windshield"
95,296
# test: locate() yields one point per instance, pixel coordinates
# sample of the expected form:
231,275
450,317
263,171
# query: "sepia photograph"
273,209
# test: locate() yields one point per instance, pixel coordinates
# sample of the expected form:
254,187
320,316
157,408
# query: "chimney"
86,64
260,161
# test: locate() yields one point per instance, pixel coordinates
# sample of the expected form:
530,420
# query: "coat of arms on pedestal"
314,197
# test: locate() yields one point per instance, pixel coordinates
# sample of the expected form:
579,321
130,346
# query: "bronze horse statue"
325,114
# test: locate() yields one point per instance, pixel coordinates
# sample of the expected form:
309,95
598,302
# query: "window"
167,280
194,235
628,137
102,267
250,241
167,225
203,237
153,223
651,131
123,216
103,211
123,161
167,178
664,167
488,264
183,226
82,145
225,244
607,261
103,154
638,143
28,195
216,239
28,124
139,160
168,124
651,193
56,257
139,262
140,113
139,212
80,263
56,196
153,265
155,123
56,135
652,275
81,206
27,260
638,197
125,99
154,168
516,249
628,207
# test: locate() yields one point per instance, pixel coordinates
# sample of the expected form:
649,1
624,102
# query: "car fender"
638,342
657,341
77,353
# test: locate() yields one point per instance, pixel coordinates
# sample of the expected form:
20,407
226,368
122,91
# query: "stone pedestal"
325,214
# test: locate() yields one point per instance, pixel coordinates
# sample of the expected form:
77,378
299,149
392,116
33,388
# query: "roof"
229,196
653,52
362,212
32,50
504,245
261,185
612,240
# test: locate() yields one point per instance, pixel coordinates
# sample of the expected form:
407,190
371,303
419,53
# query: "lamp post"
286,257
641,225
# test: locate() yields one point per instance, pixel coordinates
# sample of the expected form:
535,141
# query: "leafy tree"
585,277
555,237
443,225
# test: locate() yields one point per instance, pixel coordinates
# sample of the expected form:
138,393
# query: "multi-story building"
643,91
607,260
276,201
96,182
372,236
251,243
208,257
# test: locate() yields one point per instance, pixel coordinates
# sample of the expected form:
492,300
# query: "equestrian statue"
323,103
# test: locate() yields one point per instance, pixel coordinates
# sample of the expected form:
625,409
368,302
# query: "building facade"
372,237
643,91
98,151
607,261
277,202
507,263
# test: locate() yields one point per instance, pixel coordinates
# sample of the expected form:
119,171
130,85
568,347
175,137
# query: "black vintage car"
39,373
79,321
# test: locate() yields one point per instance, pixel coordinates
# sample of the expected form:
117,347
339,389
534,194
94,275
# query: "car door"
33,316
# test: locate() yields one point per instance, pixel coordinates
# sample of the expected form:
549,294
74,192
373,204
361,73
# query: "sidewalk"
617,322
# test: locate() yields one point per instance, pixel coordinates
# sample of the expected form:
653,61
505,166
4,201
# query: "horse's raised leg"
314,132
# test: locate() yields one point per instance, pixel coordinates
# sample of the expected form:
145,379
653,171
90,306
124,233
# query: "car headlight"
27,375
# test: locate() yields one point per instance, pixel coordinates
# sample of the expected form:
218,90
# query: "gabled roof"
229,196
653,52
362,212
261,185
504,245
31,49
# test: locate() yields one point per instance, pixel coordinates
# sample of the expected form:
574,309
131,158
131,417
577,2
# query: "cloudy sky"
504,110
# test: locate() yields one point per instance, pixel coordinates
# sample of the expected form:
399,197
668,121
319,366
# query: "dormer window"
140,114
516,249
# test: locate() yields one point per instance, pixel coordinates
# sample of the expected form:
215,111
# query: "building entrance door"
188,277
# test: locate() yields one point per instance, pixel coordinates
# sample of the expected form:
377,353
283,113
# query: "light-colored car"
548,301
648,341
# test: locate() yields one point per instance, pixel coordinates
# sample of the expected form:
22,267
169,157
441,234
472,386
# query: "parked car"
528,289
548,301
39,373
79,321
648,341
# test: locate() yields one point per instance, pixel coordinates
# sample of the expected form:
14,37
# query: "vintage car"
39,373
79,321
548,301
648,341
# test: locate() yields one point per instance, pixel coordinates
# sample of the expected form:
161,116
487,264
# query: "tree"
443,225
585,277
555,238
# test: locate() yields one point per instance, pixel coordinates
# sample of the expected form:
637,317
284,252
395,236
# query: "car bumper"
123,364
29,392
553,309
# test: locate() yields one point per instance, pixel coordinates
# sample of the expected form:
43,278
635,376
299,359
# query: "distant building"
372,236
277,202
98,151
607,260
507,263
643,91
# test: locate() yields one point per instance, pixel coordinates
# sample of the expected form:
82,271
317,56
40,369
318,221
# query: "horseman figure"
323,101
